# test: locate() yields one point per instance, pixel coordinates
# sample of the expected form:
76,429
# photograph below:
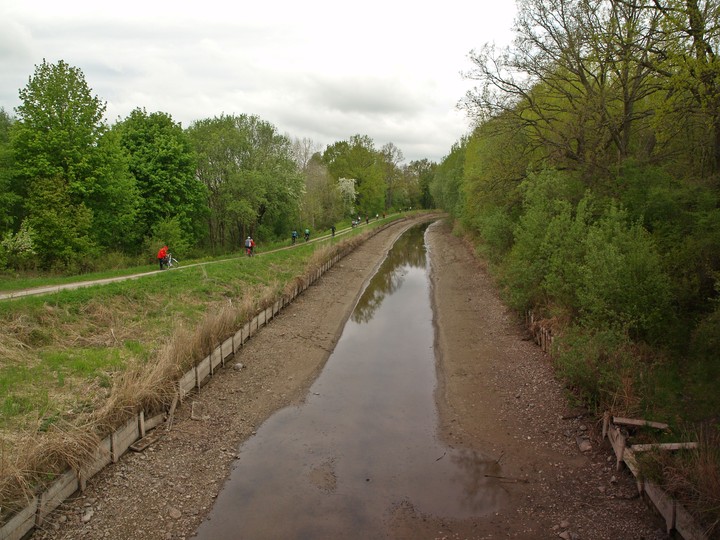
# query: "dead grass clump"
12,350
34,461
693,477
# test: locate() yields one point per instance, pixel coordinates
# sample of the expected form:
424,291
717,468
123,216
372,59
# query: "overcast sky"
315,69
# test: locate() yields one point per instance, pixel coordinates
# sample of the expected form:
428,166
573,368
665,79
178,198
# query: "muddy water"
364,442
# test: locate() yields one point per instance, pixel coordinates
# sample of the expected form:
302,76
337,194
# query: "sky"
318,70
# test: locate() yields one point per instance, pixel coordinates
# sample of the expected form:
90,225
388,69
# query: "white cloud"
318,69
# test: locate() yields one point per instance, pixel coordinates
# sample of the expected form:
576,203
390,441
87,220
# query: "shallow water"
365,440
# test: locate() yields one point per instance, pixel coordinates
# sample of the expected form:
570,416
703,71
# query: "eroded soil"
496,394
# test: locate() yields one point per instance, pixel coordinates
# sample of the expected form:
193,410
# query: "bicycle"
171,262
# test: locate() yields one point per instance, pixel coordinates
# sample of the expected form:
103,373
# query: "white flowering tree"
348,193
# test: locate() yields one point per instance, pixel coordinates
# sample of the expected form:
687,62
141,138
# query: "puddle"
365,440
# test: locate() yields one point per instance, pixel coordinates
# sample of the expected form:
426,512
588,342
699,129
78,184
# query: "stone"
174,513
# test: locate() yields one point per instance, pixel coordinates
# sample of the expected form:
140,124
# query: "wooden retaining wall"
17,526
677,518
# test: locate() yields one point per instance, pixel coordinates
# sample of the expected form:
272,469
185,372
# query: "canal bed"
365,440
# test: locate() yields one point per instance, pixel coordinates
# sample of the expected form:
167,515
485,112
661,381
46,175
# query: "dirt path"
496,395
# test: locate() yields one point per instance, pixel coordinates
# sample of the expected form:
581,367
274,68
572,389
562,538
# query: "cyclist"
294,236
162,257
307,234
332,230
249,246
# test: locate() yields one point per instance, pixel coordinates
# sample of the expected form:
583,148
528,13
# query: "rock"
174,513
87,516
564,524
583,444
564,535
238,366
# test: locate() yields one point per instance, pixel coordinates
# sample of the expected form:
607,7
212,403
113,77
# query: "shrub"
600,366
623,283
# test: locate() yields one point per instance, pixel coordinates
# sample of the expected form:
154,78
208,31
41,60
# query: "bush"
600,366
623,283
542,230
17,250
168,232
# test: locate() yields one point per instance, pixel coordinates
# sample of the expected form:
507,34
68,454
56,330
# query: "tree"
252,180
65,168
358,159
161,160
8,198
424,171
393,157
688,63
576,77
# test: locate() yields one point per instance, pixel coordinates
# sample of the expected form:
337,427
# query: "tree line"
591,179
79,194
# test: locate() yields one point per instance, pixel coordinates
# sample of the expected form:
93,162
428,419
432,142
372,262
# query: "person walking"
332,230
249,246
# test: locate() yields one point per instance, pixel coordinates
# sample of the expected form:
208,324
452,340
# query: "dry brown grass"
33,461
693,477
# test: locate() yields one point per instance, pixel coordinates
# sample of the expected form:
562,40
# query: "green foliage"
168,232
599,365
18,250
623,281
9,200
68,172
251,179
162,163
357,158
539,235
445,187
61,229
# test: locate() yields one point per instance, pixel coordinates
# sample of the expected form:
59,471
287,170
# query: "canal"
365,439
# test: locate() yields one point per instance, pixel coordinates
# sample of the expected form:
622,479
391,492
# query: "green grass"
60,351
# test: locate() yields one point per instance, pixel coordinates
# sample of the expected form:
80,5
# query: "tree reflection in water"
409,251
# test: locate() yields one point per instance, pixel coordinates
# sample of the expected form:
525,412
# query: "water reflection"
409,251
365,439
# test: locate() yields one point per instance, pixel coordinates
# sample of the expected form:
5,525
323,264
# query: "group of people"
294,235
164,254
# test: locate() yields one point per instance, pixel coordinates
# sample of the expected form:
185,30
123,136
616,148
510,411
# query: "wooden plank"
226,349
142,444
141,423
245,332
261,318
186,384
155,421
203,371
123,438
631,461
215,360
102,456
687,526
66,484
238,341
664,446
664,504
618,441
21,523
638,423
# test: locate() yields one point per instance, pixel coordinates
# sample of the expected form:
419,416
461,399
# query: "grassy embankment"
75,363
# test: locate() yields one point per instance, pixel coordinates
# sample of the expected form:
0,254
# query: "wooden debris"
664,446
638,423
